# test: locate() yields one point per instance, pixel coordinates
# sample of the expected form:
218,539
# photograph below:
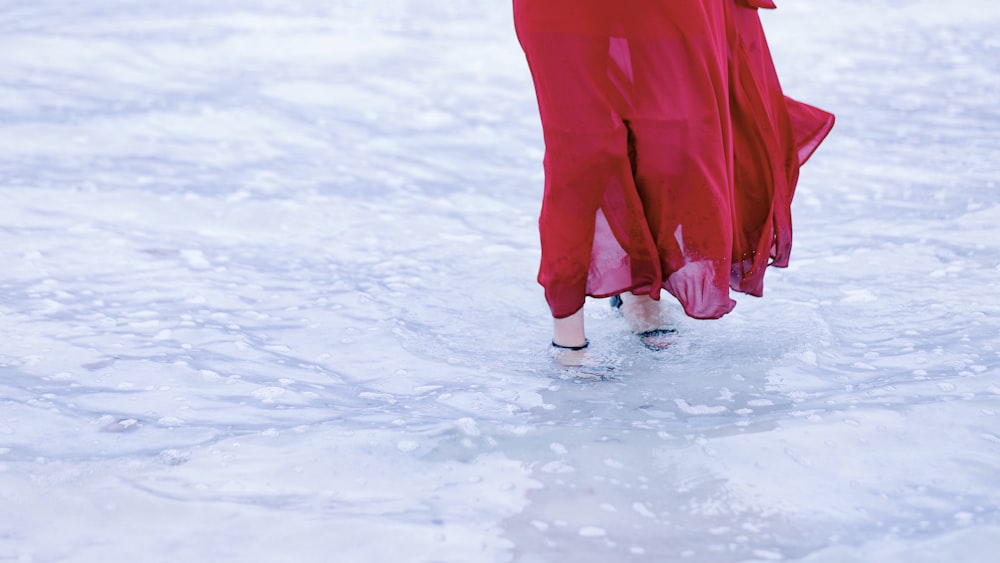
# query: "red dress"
671,154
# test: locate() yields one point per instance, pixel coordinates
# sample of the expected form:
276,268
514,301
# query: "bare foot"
659,339
571,358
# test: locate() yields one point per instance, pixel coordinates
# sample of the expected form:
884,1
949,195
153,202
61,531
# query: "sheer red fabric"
671,153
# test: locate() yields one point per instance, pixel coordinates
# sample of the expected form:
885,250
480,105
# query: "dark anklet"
561,347
657,332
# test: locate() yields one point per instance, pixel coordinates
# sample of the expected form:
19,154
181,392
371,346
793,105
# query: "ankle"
629,298
641,312
568,332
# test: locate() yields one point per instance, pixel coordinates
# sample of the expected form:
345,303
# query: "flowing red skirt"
671,153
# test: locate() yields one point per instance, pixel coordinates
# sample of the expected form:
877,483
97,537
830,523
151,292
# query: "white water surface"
267,294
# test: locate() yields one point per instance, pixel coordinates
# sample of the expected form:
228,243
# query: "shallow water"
268,293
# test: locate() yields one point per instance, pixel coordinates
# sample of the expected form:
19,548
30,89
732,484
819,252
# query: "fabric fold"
672,153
